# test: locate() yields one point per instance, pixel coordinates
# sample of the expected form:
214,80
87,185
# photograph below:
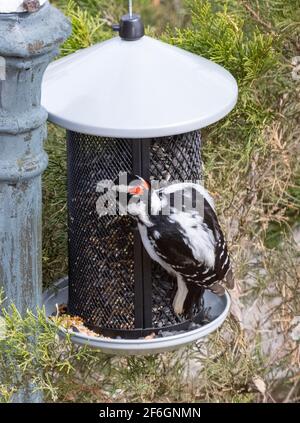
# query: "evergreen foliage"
252,169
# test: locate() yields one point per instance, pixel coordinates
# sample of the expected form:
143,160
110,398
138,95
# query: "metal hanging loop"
130,8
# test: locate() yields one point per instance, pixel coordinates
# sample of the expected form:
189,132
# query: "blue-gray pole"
28,42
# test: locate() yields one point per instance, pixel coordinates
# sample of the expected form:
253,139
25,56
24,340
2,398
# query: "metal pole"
28,42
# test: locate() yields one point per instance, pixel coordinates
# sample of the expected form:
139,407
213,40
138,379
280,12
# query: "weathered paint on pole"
28,42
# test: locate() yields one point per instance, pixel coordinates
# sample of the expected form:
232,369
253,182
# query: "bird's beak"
120,188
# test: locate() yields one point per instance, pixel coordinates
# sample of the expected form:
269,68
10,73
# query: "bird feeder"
132,104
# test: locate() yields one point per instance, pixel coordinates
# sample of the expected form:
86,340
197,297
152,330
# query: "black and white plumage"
186,240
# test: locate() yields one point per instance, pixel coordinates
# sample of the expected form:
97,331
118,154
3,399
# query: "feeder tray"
217,311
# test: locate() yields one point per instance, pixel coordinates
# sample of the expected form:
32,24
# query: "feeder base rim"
58,294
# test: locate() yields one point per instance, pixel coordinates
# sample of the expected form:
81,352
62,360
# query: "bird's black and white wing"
189,239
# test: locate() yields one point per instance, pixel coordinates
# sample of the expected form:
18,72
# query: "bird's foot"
178,310
181,313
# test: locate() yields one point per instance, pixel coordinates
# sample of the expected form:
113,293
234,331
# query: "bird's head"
132,193
132,185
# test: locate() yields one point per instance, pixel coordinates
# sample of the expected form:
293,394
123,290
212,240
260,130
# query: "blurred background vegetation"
253,171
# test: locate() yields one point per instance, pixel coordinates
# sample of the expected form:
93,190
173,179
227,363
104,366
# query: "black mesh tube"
113,285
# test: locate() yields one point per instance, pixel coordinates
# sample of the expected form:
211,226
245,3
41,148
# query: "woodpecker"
180,231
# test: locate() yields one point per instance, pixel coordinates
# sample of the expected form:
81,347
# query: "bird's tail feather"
229,279
229,283
217,289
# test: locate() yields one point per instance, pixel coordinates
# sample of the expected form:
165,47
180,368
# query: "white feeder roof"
14,6
136,89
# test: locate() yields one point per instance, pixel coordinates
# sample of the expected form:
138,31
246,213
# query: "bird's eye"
138,190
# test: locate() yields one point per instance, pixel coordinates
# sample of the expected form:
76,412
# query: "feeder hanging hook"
130,8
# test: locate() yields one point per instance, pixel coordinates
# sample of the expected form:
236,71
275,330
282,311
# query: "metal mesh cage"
113,285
